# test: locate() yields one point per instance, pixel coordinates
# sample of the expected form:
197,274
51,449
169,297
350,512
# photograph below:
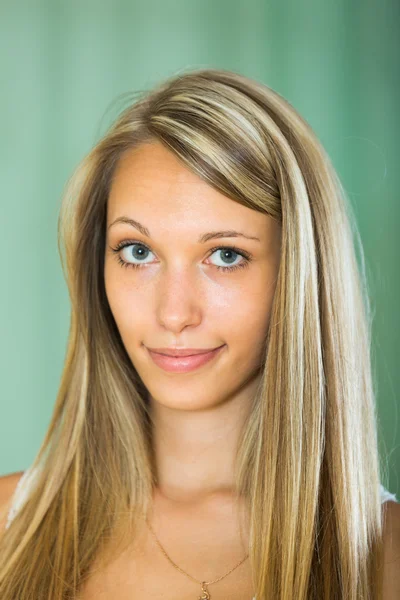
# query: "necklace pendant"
205,594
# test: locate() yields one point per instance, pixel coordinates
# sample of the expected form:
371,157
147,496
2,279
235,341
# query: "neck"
195,450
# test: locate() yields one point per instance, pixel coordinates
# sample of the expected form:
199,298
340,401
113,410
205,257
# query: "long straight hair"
308,461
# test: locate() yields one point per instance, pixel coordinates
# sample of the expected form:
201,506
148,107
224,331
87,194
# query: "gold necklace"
205,594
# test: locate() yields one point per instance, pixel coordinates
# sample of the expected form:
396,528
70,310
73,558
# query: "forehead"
151,184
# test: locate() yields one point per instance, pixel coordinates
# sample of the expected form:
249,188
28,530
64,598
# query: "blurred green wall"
61,67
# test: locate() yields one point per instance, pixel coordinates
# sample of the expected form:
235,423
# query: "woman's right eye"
140,251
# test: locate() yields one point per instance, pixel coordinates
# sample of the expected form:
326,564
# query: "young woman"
214,434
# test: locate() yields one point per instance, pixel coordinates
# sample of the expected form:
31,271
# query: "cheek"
249,322
249,331
126,302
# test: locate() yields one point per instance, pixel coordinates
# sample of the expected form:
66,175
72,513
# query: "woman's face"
177,296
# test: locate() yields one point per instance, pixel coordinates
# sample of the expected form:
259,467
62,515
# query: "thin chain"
184,572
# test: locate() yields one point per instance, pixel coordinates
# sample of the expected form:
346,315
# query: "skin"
180,298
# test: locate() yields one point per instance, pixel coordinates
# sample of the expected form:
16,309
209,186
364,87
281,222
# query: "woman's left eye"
224,253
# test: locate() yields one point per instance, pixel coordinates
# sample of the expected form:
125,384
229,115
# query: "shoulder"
8,485
391,542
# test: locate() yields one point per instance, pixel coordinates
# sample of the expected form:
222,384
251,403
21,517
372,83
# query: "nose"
178,300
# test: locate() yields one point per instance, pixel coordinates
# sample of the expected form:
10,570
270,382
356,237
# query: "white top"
22,491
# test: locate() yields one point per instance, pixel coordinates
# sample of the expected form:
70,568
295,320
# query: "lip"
183,363
181,351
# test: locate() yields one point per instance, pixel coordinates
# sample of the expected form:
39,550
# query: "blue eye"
226,253
140,250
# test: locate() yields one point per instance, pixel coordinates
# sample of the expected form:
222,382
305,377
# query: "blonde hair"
308,461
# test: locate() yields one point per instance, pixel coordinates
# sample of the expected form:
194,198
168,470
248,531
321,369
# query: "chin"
180,399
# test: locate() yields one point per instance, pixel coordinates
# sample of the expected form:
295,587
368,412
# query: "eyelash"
247,257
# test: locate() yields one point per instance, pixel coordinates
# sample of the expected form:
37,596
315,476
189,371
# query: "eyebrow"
205,237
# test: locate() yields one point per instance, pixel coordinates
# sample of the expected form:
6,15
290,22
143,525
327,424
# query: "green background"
63,66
